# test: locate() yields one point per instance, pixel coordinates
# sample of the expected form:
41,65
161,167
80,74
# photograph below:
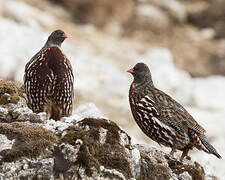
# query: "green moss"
92,153
150,170
30,141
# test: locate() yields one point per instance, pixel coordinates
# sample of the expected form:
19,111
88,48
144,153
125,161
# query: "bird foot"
184,154
184,157
172,152
47,117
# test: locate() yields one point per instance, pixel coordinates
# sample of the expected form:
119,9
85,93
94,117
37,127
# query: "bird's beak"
64,36
130,71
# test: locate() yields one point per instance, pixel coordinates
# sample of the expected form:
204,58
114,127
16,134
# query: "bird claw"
172,152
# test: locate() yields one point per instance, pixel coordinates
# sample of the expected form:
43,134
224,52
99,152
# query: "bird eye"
136,69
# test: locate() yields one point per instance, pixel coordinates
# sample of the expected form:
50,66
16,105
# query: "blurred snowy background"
183,42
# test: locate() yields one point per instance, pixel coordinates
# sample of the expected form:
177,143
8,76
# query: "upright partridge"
48,79
162,118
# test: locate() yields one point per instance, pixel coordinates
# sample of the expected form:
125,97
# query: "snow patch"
28,14
88,110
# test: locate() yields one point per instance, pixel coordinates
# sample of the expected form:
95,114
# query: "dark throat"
141,83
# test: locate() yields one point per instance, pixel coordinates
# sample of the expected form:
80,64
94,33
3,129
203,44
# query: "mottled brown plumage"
162,118
48,79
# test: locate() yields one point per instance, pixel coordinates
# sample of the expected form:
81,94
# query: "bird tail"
208,146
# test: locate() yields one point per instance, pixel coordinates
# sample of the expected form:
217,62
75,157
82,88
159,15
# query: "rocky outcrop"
100,12
192,30
208,14
108,56
83,146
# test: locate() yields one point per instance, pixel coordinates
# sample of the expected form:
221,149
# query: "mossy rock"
151,170
196,171
30,141
89,149
10,92
93,153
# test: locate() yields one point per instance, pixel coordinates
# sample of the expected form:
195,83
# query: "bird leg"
47,116
184,154
172,152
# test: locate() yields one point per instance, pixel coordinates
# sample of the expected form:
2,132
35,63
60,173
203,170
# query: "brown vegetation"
9,92
30,141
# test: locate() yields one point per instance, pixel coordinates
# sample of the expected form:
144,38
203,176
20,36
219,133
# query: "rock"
151,16
3,113
158,14
175,169
80,147
9,92
209,14
175,25
99,12
88,110
5,143
184,176
30,140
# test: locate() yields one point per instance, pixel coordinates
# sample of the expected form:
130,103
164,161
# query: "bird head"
56,38
141,73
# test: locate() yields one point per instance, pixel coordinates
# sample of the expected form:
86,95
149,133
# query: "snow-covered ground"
100,80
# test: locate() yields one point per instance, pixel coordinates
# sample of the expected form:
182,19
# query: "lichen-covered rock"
104,149
29,140
35,168
83,146
18,112
9,92
91,148
176,169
